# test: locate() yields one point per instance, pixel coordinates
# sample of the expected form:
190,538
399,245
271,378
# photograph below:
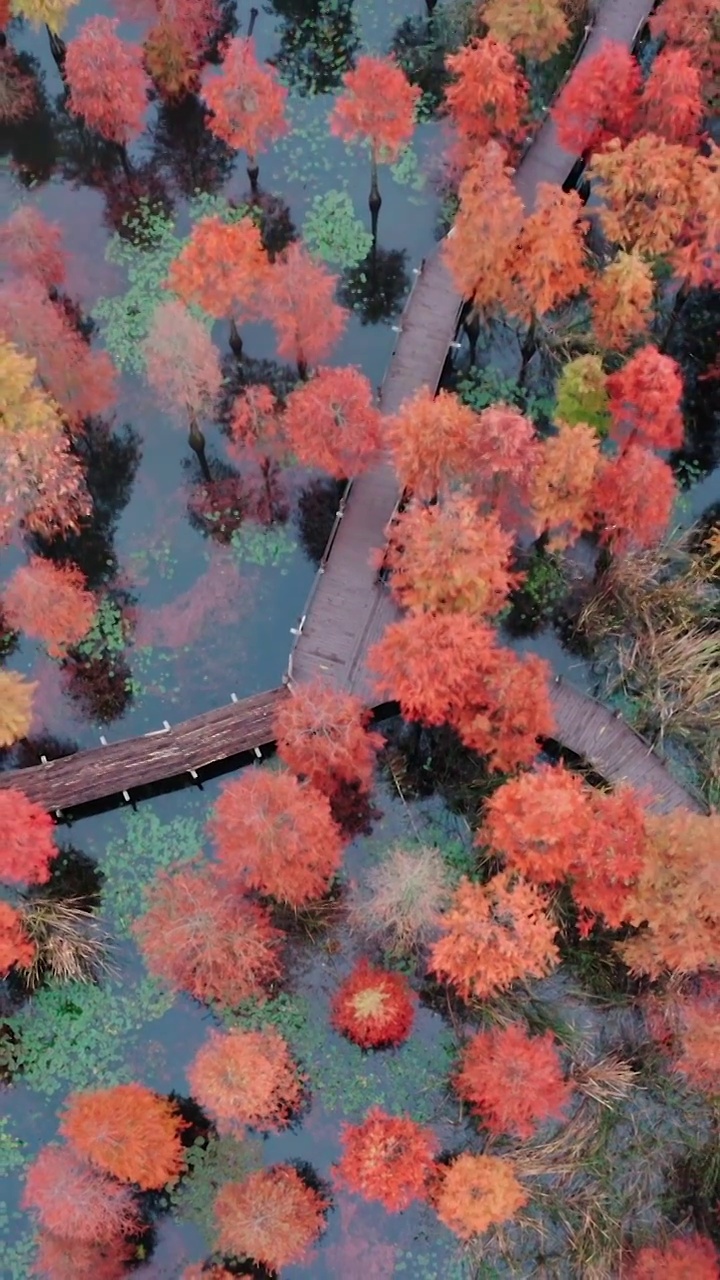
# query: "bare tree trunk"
58,49
196,440
375,199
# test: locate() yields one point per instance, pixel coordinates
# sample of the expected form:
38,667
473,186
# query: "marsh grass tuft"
70,946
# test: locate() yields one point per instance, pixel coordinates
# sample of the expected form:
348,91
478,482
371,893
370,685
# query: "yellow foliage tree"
16,696
50,13
533,28
621,298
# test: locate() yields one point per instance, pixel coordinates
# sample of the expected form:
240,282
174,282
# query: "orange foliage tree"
332,423
448,558
507,454
474,1192
373,1007
299,300
621,297
534,30
449,669
689,1256
272,1217
183,368
16,948
243,1078
386,1158
676,901
377,108
699,1040
49,602
633,498
562,482
431,440
76,1202
547,261
80,379
128,1131
672,106
645,396
493,934
257,429
200,938
513,1081
692,25
107,81
247,102
487,98
32,246
276,835
27,843
486,226
16,701
599,101
223,268
605,873
322,735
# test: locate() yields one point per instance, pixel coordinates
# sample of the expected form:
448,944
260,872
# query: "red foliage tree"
449,669
606,871
488,221
27,844
107,81
538,823
547,263
222,267
507,454
622,297
373,1007
59,1259
376,107
276,835
49,602
247,102
16,948
76,1202
257,428
689,1256
672,105
243,1078
432,441
18,90
599,101
699,1040
200,938
32,246
448,559
386,1158
299,300
474,1192
692,25
645,398
332,423
183,368
633,498
322,735
562,483
128,1131
488,96
513,1081
272,1217
493,934
80,379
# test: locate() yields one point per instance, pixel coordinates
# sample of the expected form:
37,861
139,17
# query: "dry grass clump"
654,618
401,899
69,944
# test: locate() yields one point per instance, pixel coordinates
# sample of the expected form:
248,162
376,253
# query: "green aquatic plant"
332,231
212,1161
132,860
263,545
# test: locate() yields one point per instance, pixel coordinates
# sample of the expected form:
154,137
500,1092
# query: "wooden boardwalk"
348,609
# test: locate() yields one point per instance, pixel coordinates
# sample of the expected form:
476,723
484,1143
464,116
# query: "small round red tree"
539,823
448,558
128,1131
672,105
276,835
432,441
332,423
488,96
599,101
245,1078
373,1007
376,107
493,934
223,268
76,1202
107,81
32,246
633,498
322,735
272,1217
474,1192
200,938
645,398
247,102
692,1257
513,1081
49,602
27,843
182,366
16,948
386,1158
299,300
